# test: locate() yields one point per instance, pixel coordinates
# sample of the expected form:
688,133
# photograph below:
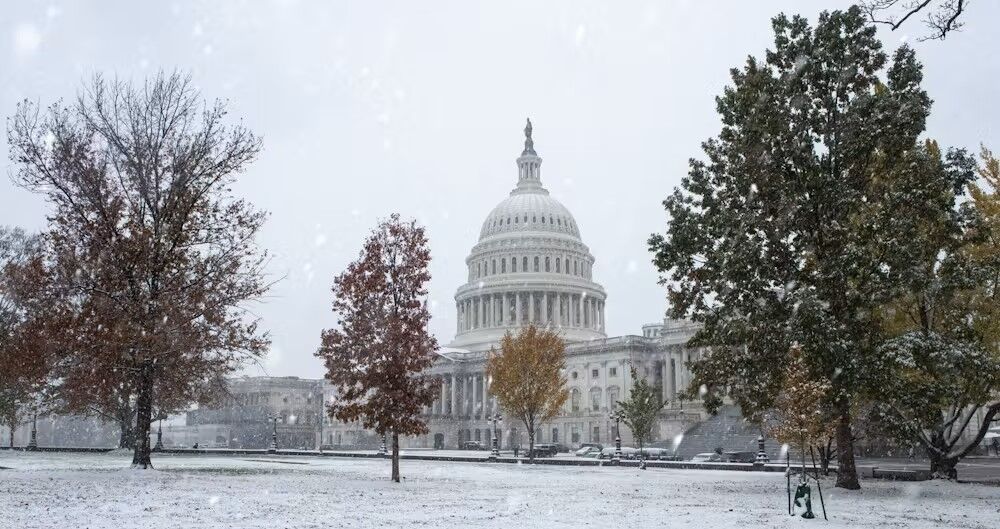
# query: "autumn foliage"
141,292
377,353
526,376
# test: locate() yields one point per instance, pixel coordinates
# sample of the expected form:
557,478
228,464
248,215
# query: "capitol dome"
530,265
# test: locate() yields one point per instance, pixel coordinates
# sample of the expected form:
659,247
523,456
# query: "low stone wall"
483,457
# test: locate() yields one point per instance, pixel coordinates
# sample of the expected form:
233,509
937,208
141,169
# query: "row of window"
596,395
499,222
559,265
594,373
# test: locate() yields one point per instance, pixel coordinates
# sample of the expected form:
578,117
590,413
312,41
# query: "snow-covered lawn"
70,491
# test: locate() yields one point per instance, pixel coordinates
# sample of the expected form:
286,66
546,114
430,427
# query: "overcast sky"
418,108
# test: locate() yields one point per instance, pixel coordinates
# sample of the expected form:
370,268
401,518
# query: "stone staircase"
728,430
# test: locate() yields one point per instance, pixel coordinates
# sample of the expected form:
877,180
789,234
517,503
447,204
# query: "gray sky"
417,107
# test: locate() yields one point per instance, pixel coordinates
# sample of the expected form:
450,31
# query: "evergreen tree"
377,354
798,226
640,409
526,375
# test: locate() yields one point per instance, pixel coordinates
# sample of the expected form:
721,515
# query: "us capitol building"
530,265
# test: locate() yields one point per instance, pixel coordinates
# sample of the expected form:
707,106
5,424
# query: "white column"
470,388
506,310
477,409
531,307
545,308
517,308
454,397
486,396
559,311
482,311
672,380
580,308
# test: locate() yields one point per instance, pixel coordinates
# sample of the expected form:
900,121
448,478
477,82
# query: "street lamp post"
159,436
617,417
382,451
273,449
33,442
495,446
761,453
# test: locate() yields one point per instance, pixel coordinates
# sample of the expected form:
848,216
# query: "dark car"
561,448
473,445
545,450
739,457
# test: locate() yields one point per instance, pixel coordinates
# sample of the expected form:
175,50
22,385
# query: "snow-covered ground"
69,491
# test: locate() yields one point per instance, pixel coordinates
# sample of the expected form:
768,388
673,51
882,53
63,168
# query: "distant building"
243,419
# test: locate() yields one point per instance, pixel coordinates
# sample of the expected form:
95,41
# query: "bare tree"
941,17
150,261
17,387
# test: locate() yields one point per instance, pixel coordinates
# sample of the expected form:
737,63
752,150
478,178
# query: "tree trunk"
12,435
825,456
847,474
943,467
531,444
126,437
144,415
395,457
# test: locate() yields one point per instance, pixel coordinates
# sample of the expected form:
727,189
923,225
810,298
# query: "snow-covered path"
100,491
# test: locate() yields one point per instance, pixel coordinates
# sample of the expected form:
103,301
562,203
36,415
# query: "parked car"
662,454
739,457
706,457
627,453
544,450
561,448
473,445
588,451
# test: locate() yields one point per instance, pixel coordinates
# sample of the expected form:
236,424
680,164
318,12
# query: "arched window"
494,270
515,220
557,264
534,219
503,266
513,264
546,264
508,220
536,263
576,270
595,399
543,219
613,397
479,270
558,221
524,264
574,398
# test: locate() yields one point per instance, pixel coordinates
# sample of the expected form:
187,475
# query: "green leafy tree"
640,409
939,375
800,224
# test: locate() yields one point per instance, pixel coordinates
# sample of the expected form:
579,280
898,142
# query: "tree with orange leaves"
526,375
